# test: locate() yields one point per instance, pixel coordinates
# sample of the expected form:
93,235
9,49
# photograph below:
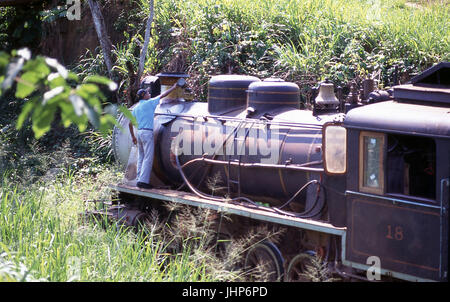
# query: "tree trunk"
146,41
103,38
134,84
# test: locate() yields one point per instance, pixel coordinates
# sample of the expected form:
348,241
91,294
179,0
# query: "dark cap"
141,92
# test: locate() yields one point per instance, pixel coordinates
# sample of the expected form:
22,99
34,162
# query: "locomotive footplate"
241,210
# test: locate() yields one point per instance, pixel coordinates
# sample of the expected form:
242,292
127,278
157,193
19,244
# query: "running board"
193,200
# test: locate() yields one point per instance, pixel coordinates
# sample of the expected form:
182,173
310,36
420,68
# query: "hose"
271,209
214,156
253,203
298,192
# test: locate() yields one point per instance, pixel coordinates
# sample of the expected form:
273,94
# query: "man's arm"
167,92
130,125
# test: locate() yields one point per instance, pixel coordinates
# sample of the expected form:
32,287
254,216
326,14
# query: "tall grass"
303,40
43,239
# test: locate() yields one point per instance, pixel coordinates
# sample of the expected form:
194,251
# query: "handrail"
441,224
393,200
255,165
237,119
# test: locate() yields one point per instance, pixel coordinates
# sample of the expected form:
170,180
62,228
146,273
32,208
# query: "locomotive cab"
397,179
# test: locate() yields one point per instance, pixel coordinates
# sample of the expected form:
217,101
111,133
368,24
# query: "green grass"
301,40
42,238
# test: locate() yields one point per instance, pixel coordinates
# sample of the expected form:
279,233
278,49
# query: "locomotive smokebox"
228,93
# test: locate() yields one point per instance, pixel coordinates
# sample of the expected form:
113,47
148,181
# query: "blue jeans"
145,155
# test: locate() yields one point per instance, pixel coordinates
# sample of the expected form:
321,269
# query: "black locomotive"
361,183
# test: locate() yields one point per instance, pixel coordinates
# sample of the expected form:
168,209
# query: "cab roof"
421,107
397,117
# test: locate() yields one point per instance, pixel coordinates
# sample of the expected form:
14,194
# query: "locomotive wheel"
297,270
264,262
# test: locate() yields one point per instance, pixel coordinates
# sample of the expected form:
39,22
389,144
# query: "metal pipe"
255,165
206,196
248,120
197,192
214,154
298,192
441,224
393,200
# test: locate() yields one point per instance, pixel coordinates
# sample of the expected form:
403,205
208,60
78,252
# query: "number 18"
394,233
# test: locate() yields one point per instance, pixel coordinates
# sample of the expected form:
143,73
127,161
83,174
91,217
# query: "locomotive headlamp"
334,149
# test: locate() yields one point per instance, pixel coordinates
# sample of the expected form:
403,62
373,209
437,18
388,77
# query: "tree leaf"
52,93
55,64
27,83
81,122
72,76
4,60
67,113
26,110
1,81
43,120
101,80
89,88
38,66
77,103
107,121
55,80
128,114
24,88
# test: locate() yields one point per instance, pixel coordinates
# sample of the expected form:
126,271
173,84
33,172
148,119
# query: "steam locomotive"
361,183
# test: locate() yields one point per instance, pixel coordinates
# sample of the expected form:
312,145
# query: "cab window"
411,166
371,162
397,165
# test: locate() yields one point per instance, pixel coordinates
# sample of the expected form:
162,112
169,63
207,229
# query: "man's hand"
133,137
168,91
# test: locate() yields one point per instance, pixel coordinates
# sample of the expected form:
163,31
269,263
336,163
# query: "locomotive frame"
381,189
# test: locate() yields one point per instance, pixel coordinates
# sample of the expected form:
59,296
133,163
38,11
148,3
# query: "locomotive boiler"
251,136
351,181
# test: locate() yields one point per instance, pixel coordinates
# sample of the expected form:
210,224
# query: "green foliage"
301,41
42,238
20,26
49,87
90,64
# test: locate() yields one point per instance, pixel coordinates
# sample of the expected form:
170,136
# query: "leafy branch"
47,86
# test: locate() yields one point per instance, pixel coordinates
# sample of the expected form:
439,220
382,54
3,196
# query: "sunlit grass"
43,238
305,39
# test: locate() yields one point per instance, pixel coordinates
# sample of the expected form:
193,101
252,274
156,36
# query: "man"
144,113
